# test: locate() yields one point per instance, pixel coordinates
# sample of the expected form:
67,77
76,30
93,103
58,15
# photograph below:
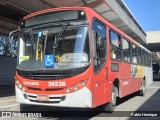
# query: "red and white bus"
73,57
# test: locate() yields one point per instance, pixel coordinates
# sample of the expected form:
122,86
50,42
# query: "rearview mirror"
13,42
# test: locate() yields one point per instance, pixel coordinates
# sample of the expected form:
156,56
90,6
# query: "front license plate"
42,97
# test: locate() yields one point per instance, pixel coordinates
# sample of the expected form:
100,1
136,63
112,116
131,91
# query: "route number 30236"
63,83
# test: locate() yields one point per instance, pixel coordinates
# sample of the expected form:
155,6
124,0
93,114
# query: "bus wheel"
143,90
112,104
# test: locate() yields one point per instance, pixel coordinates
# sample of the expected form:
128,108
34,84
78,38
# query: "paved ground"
150,103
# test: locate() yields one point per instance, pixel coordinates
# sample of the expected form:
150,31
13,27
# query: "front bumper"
81,98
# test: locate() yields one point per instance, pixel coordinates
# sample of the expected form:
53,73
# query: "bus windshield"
45,48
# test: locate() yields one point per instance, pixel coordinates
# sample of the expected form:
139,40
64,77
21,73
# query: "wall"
7,63
7,70
153,36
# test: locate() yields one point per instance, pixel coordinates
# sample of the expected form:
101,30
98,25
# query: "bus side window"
126,50
139,56
115,48
134,54
99,45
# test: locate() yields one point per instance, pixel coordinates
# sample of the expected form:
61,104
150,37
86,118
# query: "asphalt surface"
132,104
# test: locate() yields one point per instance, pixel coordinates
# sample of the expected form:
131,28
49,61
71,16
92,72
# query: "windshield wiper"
57,37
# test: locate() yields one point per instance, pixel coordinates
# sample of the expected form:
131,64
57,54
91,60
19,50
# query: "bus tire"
143,90
112,104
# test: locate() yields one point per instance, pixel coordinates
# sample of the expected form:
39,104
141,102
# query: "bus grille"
36,89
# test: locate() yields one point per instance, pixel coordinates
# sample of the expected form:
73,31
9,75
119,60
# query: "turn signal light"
76,87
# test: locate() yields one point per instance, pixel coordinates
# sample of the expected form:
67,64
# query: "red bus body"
98,88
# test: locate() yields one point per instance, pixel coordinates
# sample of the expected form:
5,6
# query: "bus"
155,67
73,57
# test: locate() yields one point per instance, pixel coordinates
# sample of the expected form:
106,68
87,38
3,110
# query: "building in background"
153,40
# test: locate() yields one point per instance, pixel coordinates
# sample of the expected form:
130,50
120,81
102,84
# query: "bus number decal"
63,83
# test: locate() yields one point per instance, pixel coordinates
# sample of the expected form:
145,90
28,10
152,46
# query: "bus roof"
54,9
87,8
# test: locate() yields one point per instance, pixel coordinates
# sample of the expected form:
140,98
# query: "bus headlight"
75,87
17,82
19,85
23,88
83,83
68,90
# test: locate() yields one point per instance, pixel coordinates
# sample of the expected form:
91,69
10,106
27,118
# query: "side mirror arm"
10,41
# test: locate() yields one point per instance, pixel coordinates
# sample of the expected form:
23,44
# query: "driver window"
99,45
